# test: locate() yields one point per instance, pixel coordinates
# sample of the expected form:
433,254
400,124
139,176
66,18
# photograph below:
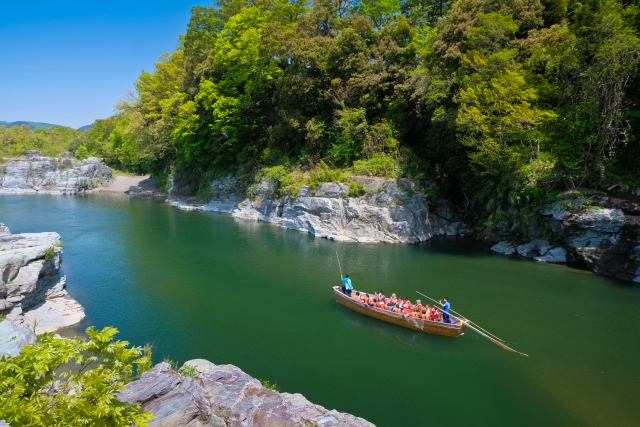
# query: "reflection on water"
206,285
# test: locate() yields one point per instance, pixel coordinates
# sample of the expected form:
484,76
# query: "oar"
468,323
339,264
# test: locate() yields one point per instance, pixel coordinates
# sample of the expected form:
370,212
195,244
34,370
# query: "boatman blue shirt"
446,307
347,283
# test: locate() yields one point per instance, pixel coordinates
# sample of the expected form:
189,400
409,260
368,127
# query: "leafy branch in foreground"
72,382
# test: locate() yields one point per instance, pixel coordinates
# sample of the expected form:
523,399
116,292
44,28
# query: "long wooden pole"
339,264
468,322
464,317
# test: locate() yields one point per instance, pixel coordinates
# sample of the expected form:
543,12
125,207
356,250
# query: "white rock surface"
38,174
13,337
392,211
31,288
53,314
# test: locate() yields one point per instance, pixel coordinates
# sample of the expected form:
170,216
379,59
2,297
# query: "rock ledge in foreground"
223,395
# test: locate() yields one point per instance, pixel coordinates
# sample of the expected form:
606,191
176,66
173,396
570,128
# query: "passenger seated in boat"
393,300
418,306
424,315
357,297
370,301
381,297
408,304
427,311
406,311
400,302
397,309
436,315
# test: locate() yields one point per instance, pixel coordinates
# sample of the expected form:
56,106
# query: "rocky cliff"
38,174
31,288
601,230
394,211
224,396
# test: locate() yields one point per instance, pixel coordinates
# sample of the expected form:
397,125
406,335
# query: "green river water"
204,285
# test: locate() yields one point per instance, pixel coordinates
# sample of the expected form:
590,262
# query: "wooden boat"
453,329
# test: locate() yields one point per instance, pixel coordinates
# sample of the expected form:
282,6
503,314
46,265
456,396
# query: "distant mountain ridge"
37,125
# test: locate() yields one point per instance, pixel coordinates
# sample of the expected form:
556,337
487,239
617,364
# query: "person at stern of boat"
445,310
347,287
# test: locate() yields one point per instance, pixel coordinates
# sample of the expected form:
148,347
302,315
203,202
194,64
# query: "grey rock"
223,395
503,248
31,287
555,255
391,210
4,230
535,248
38,174
13,337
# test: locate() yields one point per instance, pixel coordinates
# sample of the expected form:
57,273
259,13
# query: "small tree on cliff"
72,382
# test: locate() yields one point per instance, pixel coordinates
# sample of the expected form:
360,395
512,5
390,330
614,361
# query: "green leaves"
71,382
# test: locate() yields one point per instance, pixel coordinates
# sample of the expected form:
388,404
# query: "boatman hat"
418,300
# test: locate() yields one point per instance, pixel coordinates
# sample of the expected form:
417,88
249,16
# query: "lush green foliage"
71,382
16,140
498,101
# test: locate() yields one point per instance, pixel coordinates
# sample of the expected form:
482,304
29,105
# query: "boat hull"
453,329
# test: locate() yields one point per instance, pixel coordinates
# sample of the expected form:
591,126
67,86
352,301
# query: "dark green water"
201,285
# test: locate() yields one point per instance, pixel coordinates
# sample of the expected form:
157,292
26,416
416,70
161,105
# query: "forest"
501,103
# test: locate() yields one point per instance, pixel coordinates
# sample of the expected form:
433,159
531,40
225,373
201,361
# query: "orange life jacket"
357,298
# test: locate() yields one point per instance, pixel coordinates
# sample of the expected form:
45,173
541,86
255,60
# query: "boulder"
503,248
13,337
555,255
535,248
223,395
31,288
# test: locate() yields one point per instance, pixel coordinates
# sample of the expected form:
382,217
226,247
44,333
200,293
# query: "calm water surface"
201,285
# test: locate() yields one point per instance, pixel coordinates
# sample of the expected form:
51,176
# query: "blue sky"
69,62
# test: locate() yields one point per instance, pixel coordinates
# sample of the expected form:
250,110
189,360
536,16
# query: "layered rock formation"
31,288
38,174
224,396
393,211
601,230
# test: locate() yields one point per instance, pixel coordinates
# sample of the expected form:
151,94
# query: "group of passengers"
400,306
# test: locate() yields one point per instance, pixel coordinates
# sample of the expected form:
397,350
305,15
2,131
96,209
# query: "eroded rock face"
603,231
30,279
38,174
538,250
392,211
224,396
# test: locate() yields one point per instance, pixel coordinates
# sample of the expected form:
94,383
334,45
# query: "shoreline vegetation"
503,105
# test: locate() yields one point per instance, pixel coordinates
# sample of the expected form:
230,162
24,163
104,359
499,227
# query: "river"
205,285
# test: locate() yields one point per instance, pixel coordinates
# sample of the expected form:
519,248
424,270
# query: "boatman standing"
445,310
346,288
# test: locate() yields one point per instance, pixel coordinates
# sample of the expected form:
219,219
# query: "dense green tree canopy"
491,98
